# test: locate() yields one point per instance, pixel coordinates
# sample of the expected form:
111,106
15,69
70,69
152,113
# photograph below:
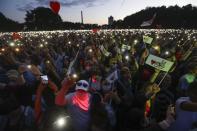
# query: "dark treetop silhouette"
167,17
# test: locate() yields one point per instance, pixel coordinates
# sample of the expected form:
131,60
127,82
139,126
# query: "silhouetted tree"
171,17
75,26
168,17
118,24
8,25
42,19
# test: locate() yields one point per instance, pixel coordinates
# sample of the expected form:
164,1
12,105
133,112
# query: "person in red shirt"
77,103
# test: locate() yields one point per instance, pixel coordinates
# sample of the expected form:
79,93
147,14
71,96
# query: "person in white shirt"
186,110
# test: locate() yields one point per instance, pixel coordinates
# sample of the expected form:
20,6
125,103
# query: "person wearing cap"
78,103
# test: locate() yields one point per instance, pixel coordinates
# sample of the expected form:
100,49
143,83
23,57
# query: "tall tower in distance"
82,17
110,20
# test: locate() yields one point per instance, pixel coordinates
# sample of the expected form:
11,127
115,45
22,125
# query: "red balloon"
55,6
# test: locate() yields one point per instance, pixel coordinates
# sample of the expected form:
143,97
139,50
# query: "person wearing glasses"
77,103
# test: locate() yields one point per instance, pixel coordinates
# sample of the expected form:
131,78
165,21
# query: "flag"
190,78
148,108
104,51
70,68
159,63
112,77
147,39
149,22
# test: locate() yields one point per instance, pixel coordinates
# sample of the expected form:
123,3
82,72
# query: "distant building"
81,17
110,20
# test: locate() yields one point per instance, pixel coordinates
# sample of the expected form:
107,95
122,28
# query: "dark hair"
35,59
191,66
99,115
96,99
135,119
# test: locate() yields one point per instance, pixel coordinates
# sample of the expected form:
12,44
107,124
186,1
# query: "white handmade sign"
147,39
159,63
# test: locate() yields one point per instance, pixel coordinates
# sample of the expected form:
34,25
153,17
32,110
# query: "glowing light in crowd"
135,42
12,44
163,34
167,53
90,50
74,76
47,61
127,57
156,47
41,45
123,50
60,122
17,49
3,49
29,66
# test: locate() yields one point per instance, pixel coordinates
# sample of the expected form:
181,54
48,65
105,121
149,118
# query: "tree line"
166,17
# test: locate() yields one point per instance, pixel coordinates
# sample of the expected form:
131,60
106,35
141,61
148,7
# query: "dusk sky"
95,11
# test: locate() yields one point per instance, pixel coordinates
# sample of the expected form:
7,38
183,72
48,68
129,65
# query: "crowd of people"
97,80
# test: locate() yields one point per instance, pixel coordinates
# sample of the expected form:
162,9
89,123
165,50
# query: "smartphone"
44,79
